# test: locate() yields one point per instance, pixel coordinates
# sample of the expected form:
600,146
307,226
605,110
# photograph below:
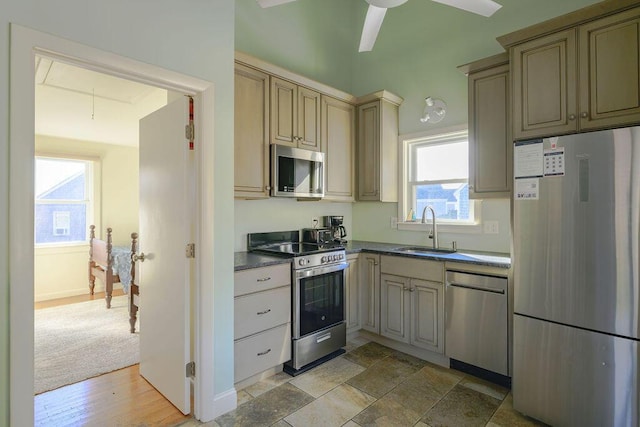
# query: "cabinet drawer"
407,267
263,310
261,279
262,351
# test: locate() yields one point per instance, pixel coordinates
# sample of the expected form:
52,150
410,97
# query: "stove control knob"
323,259
341,256
301,261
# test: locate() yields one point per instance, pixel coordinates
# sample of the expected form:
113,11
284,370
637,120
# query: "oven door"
318,298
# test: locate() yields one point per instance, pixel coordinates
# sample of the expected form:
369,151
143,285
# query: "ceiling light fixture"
434,111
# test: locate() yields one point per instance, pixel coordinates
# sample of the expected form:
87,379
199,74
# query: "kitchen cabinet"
295,115
251,140
370,292
377,146
262,320
352,293
490,145
412,302
582,78
338,145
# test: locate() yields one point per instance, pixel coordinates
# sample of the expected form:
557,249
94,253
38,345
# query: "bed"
112,264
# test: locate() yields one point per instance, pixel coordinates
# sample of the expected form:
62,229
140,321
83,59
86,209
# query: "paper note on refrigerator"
554,162
527,189
527,159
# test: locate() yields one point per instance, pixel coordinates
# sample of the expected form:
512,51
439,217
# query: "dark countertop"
491,259
246,260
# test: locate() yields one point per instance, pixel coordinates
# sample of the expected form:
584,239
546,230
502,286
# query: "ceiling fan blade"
372,24
480,7
269,3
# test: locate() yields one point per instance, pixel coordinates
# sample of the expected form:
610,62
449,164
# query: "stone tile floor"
373,385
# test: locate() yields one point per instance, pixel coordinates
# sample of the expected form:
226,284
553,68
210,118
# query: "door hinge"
191,250
191,369
189,132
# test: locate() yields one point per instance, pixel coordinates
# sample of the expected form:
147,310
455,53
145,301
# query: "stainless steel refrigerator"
576,278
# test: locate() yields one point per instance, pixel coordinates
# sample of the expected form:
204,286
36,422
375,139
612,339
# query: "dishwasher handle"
476,288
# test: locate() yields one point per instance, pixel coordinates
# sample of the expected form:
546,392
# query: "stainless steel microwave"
296,172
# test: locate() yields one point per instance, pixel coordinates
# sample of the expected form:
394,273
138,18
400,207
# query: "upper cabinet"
378,147
490,146
251,147
337,144
583,77
295,115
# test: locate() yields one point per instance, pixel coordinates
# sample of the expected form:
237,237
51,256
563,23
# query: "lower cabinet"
352,293
412,308
262,319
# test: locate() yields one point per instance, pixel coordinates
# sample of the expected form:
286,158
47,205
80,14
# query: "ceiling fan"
378,8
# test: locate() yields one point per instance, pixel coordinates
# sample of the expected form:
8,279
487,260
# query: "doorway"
25,44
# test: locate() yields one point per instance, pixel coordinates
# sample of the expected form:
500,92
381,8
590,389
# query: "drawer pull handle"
260,313
264,279
262,353
323,338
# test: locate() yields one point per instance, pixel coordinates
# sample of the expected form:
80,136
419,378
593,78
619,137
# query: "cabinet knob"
572,116
584,115
268,188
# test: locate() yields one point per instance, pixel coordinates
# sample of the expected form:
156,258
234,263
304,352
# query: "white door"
166,224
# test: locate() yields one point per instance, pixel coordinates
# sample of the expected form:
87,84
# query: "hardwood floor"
119,398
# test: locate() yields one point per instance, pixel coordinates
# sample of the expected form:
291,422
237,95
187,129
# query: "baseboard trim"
225,402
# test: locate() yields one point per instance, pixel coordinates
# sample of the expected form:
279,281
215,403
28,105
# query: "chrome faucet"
434,229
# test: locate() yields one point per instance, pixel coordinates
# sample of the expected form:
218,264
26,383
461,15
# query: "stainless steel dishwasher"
476,324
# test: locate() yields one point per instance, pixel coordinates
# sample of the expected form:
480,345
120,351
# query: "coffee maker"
334,223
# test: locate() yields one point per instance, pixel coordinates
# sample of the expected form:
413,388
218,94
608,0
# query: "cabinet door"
352,294
284,112
370,292
394,307
369,151
489,134
544,86
251,147
308,117
427,315
337,136
609,72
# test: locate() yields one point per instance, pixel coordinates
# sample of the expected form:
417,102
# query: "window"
436,171
64,200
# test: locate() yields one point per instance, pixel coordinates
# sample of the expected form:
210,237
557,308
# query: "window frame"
408,144
92,193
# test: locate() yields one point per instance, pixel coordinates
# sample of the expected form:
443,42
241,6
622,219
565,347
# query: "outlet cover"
491,227
315,222
393,222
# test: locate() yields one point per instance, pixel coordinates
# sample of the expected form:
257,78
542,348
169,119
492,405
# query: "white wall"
281,214
194,38
62,271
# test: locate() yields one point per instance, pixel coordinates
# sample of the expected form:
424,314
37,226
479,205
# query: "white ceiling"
76,103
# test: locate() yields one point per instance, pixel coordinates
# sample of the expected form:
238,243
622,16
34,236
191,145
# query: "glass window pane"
60,179
449,201
60,222
437,162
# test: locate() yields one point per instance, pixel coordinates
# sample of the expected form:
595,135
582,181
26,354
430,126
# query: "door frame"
25,45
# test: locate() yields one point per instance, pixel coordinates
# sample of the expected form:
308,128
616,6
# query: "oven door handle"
317,271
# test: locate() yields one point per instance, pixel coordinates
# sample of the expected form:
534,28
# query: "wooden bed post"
133,287
92,278
108,286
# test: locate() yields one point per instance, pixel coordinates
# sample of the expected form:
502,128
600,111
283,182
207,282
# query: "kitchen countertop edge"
248,260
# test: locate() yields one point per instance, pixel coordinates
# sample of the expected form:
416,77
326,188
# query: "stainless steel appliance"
318,309
476,325
296,172
577,278
335,224
321,236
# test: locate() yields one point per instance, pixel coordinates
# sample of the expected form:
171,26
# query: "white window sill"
443,227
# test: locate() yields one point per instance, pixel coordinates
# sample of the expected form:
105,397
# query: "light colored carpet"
79,341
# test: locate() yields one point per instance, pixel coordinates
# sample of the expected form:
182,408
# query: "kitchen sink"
425,250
